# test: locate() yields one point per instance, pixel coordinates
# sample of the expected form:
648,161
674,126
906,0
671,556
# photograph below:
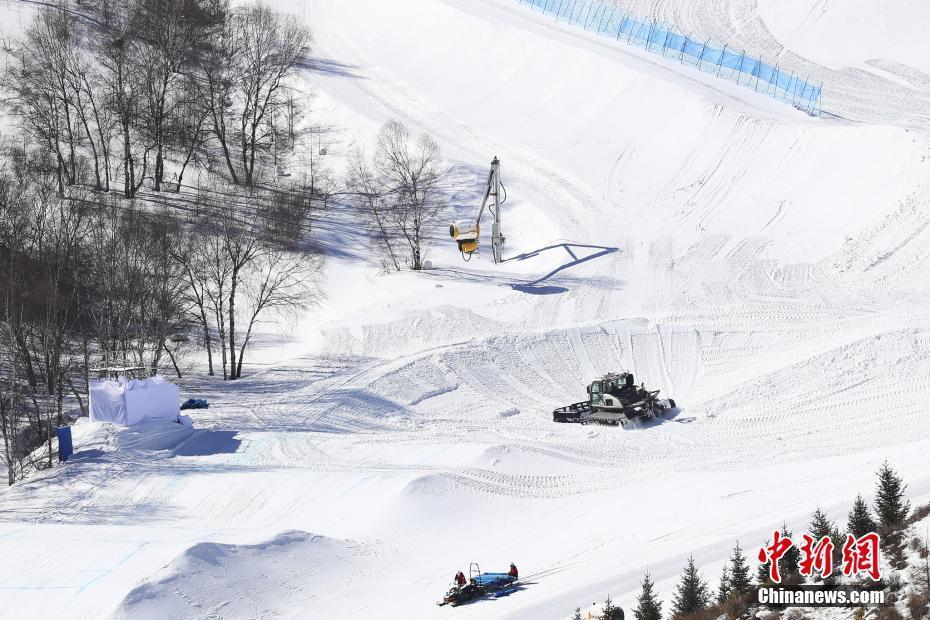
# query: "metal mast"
497,239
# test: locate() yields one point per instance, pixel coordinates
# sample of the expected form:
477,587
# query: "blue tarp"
493,579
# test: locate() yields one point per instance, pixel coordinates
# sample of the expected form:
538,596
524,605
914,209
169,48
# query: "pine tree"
577,614
740,582
762,573
723,590
890,506
648,607
789,564
820,525
839,538
860,520
611,611
691,594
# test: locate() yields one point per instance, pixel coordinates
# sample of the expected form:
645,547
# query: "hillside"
762,267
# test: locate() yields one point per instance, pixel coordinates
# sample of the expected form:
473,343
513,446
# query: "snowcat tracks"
584,413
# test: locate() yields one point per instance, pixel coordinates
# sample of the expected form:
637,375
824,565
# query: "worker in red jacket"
460,580
513,570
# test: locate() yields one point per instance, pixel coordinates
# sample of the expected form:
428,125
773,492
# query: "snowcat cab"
615,399
612,390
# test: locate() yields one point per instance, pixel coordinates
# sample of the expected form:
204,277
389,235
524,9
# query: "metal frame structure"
467,236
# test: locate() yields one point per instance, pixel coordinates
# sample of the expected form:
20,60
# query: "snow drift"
280,577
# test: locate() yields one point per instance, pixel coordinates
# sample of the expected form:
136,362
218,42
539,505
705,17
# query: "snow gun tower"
466,234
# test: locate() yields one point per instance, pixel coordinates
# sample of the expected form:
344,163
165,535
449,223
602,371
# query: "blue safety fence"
605,17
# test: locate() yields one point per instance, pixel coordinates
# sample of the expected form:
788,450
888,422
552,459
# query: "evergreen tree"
740,582
691,594
820,525
762,573
890,506
648,607
789,564
577,614
860,520
839,538
723,590
611,611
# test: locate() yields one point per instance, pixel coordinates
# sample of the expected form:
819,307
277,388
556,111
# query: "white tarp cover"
128,402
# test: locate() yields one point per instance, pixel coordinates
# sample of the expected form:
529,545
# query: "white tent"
129,402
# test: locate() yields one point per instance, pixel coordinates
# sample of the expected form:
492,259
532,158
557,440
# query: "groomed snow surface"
765,269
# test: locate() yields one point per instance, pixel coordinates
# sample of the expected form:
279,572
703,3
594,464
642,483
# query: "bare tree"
246,75
191,117
195,262
243,263
39,83
58,95
371,202
13,241
401,194
95,117
11,429
164,286
172,34
278,281
42,312
120,54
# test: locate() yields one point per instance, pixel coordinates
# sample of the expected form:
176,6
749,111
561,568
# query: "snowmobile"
615,399
480,585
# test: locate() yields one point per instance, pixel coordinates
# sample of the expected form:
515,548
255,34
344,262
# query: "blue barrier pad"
605,18
65,447
493,579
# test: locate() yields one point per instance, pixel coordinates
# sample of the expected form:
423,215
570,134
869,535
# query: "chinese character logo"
860,556
816,557
774,552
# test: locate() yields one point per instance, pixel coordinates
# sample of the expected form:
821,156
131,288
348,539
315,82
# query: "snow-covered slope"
293,571
763,268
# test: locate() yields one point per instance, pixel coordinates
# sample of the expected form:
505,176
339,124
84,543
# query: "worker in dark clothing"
513,571
460,580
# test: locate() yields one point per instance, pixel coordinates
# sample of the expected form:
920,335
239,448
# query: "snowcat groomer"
480,585
615,399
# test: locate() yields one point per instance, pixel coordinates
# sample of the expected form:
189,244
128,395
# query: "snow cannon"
466,236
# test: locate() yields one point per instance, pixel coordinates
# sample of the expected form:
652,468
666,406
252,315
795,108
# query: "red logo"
860,556
816,556
774,552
